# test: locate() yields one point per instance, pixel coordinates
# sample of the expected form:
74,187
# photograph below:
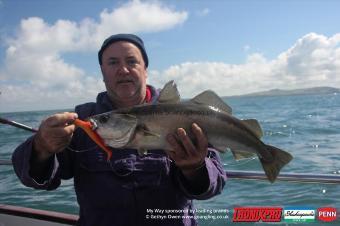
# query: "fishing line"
129,172
79,151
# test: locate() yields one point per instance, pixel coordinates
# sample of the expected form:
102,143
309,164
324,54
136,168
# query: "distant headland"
306,91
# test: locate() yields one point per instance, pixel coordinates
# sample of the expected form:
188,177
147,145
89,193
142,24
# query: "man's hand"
188,156
54,135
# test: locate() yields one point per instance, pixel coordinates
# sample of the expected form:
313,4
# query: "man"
119,192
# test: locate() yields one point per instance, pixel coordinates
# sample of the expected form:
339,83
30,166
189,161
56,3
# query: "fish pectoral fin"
142,128
238,155
169,94
254,126
150,133
210,98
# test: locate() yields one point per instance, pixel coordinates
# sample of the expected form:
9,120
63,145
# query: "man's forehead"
121,51
118,41
122,47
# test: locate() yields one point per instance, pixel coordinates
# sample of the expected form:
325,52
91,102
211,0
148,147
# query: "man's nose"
123,69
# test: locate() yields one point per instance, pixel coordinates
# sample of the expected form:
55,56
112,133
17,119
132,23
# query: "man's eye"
112,63
132,62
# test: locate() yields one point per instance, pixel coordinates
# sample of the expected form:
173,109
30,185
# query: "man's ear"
101,69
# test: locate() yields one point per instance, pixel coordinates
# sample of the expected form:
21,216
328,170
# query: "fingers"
54,134
60,131
202,141
186,154
183,142
59,124
61,119
174,143
189,147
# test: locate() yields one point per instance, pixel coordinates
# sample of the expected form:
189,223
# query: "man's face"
124,72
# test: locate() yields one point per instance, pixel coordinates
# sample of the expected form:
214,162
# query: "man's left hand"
188,157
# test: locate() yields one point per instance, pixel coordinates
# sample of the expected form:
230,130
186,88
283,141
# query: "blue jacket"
124,190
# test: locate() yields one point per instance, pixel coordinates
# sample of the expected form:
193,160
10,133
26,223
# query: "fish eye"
103,118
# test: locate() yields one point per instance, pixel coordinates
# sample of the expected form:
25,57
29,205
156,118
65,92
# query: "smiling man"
124,67
125,190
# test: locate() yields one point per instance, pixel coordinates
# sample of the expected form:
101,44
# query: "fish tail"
272,168
87,127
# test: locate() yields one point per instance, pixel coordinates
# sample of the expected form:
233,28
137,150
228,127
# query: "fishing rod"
234,174
17,124
4,162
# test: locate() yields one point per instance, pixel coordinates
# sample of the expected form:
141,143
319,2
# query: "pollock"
145,127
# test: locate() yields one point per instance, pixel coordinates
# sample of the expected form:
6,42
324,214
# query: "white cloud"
246,48
35,73
29,97
203,12
139,16
314,60
38,36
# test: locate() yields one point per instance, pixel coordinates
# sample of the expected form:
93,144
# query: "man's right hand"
54,135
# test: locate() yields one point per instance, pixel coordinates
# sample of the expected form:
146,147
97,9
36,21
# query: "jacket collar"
104,100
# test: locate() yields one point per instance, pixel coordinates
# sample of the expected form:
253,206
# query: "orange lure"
87,127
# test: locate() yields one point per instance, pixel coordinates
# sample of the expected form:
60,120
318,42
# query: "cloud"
314,60
146,17
203,12
34,70
246,48
35,74
87,35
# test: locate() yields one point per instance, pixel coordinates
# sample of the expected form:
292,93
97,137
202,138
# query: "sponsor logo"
299,214
256,214
327,214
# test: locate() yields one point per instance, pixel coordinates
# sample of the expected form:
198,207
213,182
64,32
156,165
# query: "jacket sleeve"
210,180
21,160
60,166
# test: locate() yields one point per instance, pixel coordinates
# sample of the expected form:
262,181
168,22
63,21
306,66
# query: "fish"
145,127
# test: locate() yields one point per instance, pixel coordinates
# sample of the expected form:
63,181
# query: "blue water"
306,126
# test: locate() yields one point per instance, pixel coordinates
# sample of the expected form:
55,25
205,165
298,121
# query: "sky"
48,49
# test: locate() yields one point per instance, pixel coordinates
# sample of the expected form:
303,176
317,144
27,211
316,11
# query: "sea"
307,126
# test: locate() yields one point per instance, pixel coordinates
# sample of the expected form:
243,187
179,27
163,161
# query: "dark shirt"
121,192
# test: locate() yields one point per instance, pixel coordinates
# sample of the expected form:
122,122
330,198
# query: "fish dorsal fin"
254,126
210,98
169,94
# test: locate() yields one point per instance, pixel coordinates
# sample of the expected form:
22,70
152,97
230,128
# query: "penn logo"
327,214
